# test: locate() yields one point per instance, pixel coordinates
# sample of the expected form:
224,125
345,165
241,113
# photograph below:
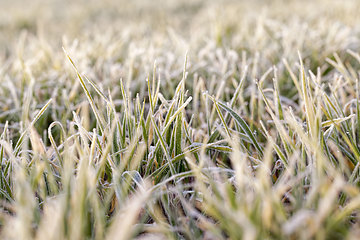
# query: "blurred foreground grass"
179,119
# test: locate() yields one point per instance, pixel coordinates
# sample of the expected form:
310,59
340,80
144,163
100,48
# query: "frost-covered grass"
179,119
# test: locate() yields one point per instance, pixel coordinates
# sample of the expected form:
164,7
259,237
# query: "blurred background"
192,20
131,35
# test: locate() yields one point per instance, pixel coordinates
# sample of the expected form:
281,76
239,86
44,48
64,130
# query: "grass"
178,120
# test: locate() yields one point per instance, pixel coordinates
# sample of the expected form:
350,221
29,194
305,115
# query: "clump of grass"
243,137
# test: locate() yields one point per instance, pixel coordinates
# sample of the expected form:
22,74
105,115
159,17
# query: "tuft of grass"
253,134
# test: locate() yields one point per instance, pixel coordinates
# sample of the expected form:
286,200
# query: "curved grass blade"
88,95
21,139
243,125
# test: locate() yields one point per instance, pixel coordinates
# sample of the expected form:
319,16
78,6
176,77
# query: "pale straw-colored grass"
179,119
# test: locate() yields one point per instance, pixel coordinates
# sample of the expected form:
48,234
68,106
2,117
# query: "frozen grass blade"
87,93
244,127
36,118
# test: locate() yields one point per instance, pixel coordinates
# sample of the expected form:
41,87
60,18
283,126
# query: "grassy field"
179,119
